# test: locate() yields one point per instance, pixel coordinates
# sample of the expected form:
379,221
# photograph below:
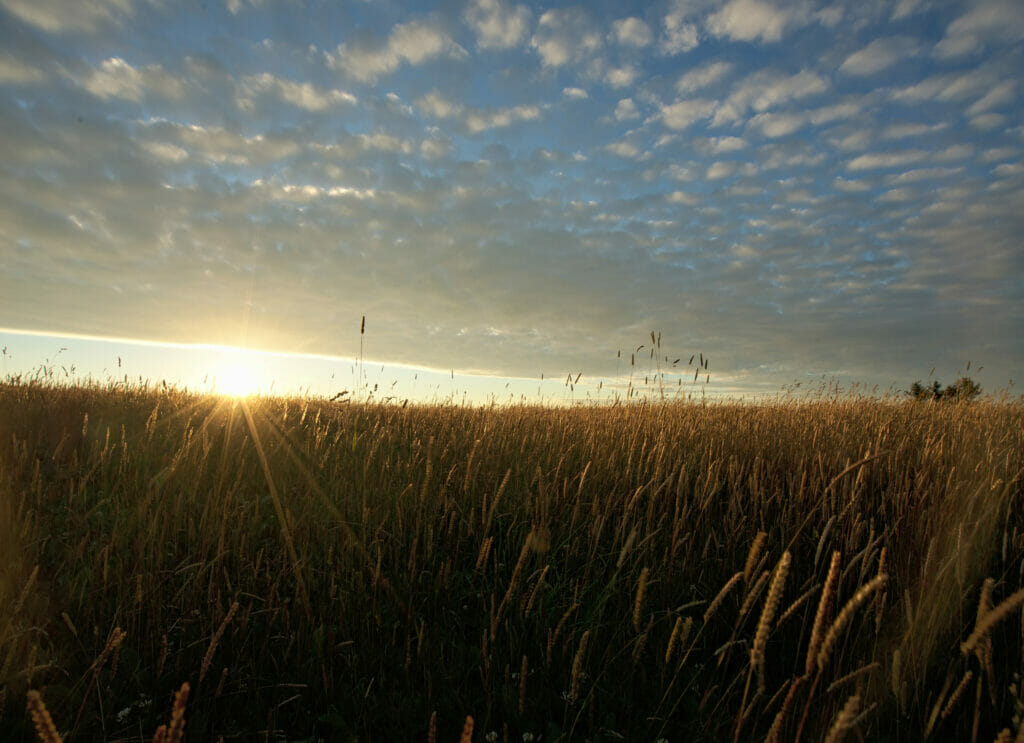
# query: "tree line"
964,389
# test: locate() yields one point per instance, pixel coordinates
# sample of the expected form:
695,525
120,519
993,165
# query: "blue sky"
795,189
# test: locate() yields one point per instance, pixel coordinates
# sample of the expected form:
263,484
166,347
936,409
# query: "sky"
795,190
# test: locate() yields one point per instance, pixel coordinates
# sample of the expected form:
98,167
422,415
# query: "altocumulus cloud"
796,189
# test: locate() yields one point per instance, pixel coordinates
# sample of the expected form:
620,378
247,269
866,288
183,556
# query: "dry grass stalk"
753,555
163,655
638,603
775,731
880,605
991,619
843,680
673,639
536,589
512,585
432,728
177,726
523,672
824,609
577,668
46,731
751,597
845,720
208,658
717,601
958,692
865,592
467,731
764,625
641,642
795,606
113,643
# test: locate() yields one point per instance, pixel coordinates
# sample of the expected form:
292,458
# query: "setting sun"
237,381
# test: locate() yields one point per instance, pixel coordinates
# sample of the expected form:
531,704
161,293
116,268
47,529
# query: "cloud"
727,144
632,32
750,20
948,87
305,95
683,114
879,55
626,110
834,112
702,77
988,121
718,170
81,15
850,186
1003,93
902,131
165,151
413,43
436,105
115,78
477,120
778,124
905,8
623,148
16,72
765,90
682,197
678,36
575,94
886,160
497,26
564,36
621,77
987,22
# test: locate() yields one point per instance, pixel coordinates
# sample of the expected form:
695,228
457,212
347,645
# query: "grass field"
804,570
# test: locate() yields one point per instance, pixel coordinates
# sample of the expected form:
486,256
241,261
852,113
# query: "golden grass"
565,573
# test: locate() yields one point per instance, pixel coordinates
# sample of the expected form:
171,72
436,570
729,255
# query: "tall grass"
798,570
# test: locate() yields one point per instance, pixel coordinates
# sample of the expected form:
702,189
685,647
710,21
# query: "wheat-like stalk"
991,619
958,692
638,604
672,639
208,658
844,617
46,731
753,555
764,625
752,595
577,668
467,731
845,720
720,597
523,672
177,726
824,608
116,638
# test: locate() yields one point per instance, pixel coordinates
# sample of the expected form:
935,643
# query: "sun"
237,381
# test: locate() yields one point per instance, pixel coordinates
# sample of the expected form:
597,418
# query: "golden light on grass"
349,533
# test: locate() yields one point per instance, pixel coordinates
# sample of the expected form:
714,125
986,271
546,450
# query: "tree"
964,390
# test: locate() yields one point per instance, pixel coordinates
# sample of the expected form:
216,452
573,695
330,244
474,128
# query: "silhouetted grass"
392,563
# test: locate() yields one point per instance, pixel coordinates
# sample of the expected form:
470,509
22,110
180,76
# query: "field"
801,570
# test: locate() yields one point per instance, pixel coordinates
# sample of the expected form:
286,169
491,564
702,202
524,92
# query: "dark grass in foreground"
679,572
